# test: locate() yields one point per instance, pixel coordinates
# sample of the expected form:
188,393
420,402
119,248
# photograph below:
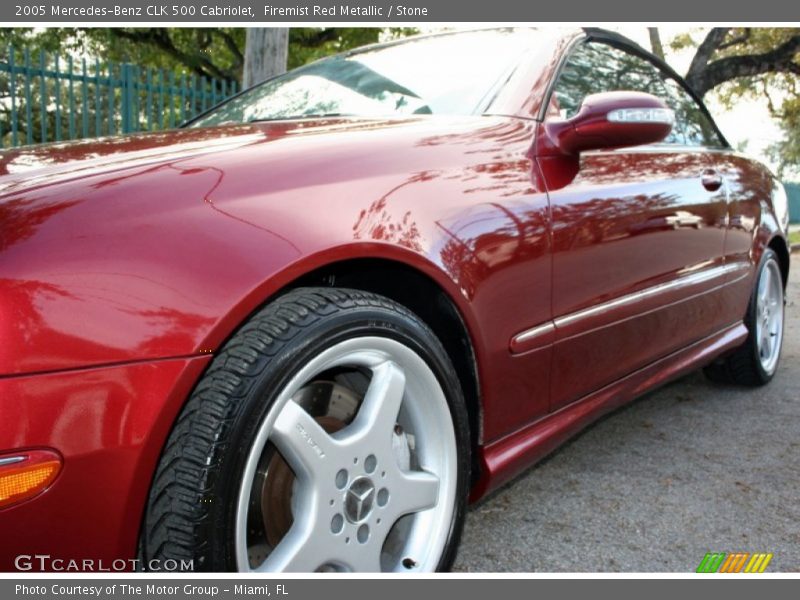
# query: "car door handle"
711,180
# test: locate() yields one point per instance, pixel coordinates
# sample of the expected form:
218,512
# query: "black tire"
191,509
742,366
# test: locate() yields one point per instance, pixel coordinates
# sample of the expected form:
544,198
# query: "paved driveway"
692,468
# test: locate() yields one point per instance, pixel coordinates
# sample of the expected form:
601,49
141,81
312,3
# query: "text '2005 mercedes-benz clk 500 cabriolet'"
302,331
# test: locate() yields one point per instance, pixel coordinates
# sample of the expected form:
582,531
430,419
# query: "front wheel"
329,434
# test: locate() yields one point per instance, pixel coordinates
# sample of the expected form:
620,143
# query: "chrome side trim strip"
524,338
677,284
11,460
532,333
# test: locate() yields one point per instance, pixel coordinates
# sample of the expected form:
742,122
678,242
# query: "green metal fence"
46,98
793,192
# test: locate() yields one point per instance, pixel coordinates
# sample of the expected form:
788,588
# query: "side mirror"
612,120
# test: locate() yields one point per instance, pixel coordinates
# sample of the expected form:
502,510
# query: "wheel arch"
779,246
425,297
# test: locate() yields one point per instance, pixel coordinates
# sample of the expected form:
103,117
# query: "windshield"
453,74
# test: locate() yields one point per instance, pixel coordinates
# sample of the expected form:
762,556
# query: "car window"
452,74
696,128
595,67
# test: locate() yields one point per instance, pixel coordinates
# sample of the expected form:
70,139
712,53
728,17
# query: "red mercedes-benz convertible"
302,331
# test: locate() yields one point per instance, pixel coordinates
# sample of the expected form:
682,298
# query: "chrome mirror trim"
642,115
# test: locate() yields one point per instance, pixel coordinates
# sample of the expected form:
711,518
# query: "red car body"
126,262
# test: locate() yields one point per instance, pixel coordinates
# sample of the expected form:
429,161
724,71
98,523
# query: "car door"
747,183
637,236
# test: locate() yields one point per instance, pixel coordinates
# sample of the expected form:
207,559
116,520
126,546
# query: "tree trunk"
655,42
265,54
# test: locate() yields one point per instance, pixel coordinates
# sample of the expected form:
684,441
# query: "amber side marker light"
26,474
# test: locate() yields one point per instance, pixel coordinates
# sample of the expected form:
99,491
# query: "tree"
265,55
728,54
739,62
786,151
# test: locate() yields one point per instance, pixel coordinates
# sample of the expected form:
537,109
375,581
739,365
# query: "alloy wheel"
769,316
354,467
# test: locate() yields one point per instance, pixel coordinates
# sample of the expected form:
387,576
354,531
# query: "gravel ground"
691,468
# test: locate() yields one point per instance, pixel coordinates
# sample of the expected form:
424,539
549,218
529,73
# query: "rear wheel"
755,362
328,435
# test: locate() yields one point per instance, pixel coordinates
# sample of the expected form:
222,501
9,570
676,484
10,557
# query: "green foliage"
682,41
786,151
211,52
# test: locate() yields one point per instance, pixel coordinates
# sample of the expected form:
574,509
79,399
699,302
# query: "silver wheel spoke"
766,285
304,444
413,492
381,405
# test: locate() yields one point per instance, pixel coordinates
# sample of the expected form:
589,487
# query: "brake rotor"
278,487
